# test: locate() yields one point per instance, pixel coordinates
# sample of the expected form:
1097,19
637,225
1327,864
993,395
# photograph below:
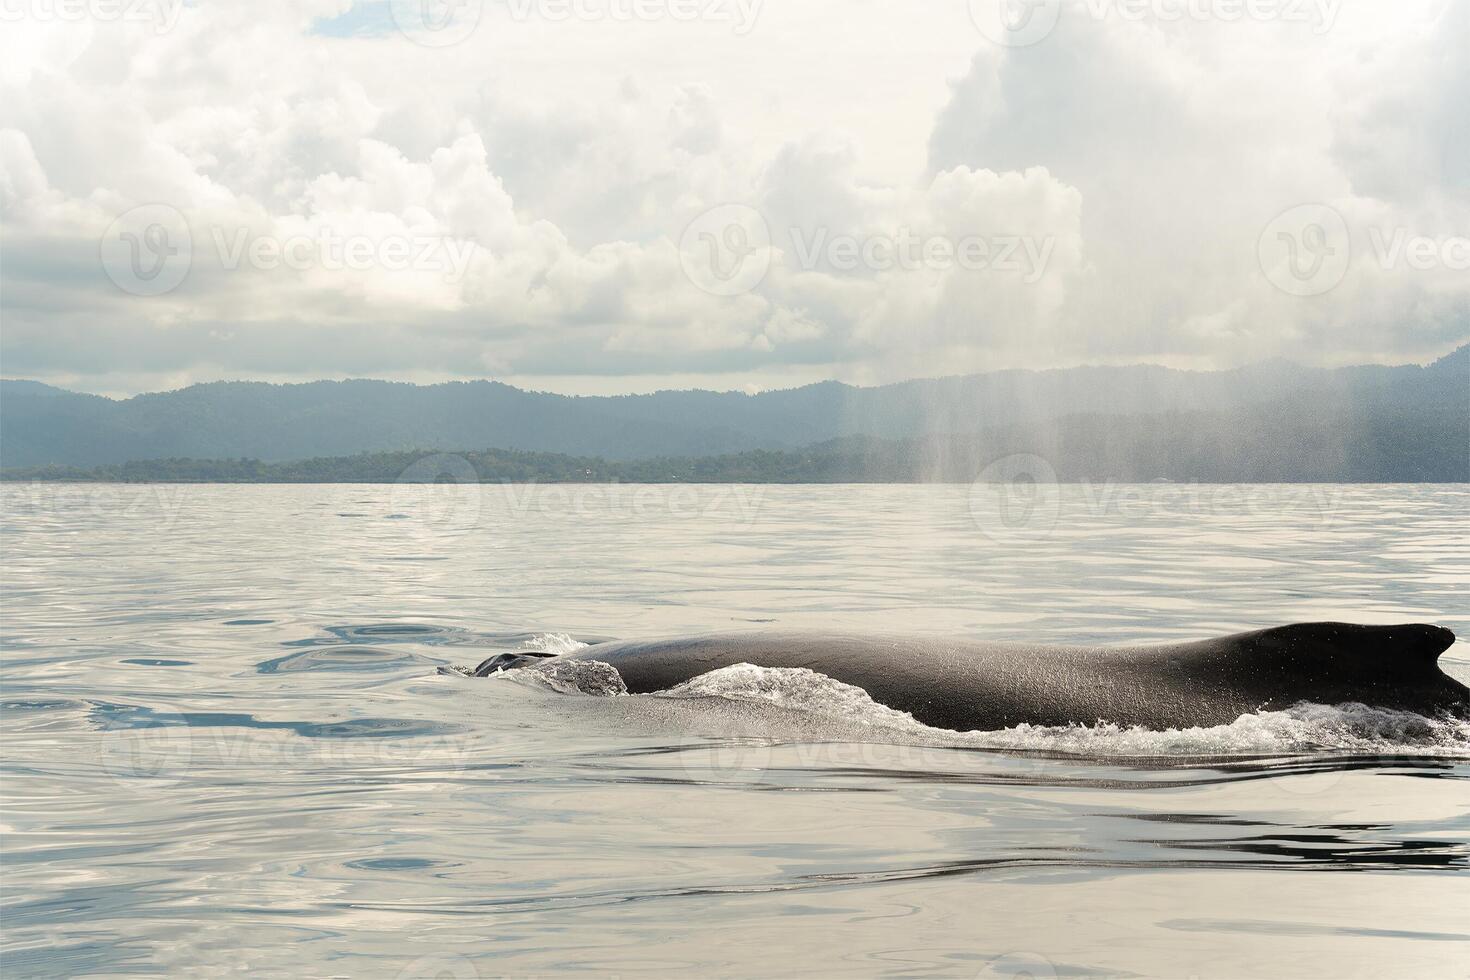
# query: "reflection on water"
109,717
228,744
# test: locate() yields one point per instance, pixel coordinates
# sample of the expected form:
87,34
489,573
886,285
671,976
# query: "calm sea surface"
228,745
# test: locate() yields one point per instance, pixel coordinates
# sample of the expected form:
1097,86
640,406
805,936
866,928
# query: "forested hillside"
1390,421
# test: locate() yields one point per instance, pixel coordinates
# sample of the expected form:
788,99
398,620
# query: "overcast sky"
615,195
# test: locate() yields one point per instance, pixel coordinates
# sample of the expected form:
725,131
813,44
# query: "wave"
556,643
1346,728
590,677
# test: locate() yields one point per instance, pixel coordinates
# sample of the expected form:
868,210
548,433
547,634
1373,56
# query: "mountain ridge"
1458,358
41,425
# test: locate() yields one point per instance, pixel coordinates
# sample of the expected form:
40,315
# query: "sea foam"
1345,728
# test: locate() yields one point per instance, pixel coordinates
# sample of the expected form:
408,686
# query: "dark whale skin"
967,685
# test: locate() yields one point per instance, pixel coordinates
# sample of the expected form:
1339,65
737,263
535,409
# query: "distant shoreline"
956,462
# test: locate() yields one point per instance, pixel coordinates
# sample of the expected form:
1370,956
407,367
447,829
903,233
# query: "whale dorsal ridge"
1363,648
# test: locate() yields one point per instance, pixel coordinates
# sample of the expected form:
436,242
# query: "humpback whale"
969,685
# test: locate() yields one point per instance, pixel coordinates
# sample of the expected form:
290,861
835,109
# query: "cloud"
333,197
1187,140
1402,132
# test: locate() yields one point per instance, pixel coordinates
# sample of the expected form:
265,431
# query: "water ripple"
226,747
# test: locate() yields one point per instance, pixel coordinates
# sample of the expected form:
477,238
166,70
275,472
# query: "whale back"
970,685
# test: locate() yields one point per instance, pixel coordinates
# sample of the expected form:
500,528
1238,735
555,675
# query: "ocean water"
232,743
